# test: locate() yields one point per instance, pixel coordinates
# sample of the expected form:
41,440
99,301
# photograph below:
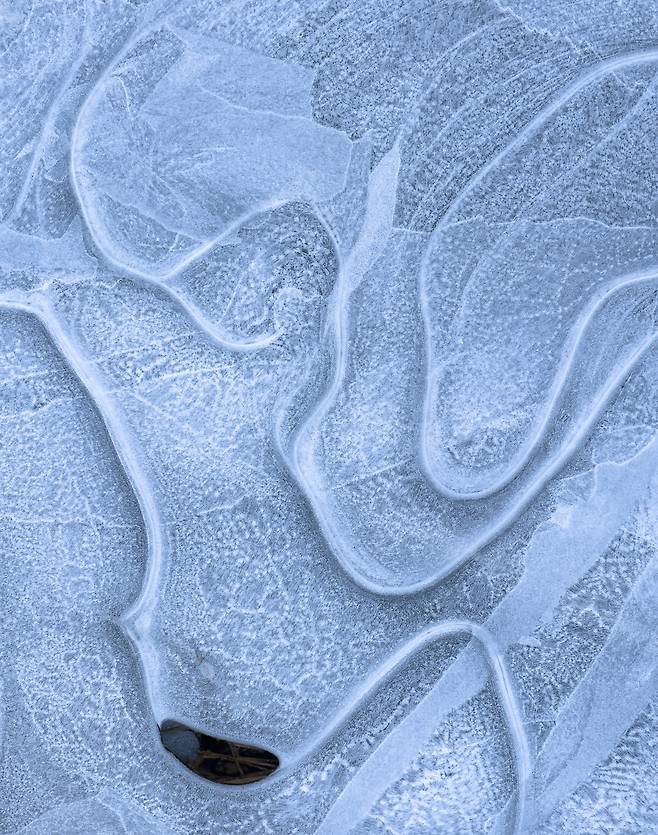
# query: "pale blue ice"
329,414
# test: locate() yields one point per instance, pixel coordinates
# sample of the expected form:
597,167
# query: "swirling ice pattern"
338,208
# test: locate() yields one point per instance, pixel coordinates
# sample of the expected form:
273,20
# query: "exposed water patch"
218,760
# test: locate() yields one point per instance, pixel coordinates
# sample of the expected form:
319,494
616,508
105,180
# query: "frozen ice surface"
329,414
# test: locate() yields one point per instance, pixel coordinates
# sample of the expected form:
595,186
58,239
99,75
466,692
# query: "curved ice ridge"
157,543
354,263
130,459
214,332
120,438
504,689
524,454
343,551
557,559
301,464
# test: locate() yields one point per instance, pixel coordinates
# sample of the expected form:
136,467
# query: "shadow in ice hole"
219,760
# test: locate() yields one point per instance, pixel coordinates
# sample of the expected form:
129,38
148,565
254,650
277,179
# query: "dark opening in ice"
219,760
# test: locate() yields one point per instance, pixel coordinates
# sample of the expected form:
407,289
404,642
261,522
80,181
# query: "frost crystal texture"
329,417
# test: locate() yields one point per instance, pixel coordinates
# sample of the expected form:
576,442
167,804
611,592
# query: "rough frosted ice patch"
328,340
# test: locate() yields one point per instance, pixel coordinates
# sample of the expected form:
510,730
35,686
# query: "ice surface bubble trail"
126,450
342,819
